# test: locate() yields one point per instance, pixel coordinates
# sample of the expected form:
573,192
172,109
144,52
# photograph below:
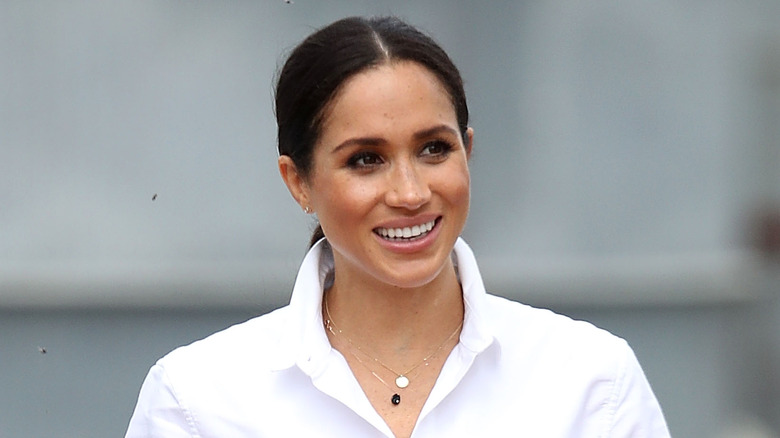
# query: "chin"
414,279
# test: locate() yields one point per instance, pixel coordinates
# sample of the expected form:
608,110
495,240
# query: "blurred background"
626,171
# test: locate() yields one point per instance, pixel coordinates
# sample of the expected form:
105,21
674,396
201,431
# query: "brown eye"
438,147
364,159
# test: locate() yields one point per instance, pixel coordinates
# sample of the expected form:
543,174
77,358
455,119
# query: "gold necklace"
396,398
402,379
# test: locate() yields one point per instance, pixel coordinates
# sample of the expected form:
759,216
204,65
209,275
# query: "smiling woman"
390,331
389,160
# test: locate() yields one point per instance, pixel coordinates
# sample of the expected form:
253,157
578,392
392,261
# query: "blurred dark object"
765,232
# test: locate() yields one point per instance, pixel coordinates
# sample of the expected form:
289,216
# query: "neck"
394,321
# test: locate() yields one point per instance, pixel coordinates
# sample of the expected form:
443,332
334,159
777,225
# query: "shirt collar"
305,342
477,334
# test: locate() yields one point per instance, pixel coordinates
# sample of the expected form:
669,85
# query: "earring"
306,209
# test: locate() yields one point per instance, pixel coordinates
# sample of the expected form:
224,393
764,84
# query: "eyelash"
354,160
444,147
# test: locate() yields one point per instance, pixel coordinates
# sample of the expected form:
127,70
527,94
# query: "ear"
469,141
296,183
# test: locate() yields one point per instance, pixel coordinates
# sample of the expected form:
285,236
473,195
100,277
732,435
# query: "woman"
389,331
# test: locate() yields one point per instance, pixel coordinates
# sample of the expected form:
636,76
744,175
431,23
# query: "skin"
390,155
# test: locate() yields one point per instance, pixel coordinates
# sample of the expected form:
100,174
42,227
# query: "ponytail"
316,236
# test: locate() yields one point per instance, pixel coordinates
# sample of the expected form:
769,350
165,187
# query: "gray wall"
622,150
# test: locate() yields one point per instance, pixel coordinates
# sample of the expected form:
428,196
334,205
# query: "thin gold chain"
370,370
331,326
396,398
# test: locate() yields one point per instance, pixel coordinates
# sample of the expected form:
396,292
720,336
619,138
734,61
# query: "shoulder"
524,331
570,373
211,387
256,343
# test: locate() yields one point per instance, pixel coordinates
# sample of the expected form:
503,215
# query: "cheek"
463,196
348,201
457,187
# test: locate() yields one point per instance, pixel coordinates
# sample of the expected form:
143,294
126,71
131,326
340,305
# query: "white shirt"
517,371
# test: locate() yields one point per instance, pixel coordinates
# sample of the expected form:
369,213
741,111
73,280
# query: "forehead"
389,91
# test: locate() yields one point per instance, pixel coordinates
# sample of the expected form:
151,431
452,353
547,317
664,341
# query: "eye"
437,148
364,160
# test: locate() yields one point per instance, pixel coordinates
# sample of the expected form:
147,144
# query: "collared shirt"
516,371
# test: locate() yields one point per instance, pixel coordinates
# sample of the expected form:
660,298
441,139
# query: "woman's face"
390,178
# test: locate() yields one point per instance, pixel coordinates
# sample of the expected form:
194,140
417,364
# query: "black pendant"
396,399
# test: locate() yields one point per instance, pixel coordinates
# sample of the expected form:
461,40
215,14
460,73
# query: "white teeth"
406,232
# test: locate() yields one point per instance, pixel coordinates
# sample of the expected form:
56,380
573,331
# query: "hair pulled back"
318,66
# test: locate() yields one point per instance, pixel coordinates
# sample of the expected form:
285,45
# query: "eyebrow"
377,141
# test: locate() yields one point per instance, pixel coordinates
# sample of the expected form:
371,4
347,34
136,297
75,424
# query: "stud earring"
306,209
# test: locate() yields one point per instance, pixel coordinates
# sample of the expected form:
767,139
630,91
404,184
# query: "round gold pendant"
401,381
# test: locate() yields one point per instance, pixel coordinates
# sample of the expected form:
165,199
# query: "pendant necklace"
402,379
396,398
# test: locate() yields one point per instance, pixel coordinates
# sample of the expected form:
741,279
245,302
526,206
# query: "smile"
406,232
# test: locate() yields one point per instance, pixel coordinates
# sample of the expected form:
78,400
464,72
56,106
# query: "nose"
407,187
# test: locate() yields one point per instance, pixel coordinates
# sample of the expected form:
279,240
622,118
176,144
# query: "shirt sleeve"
159,412
637,413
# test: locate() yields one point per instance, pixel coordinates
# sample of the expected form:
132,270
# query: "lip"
412,245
